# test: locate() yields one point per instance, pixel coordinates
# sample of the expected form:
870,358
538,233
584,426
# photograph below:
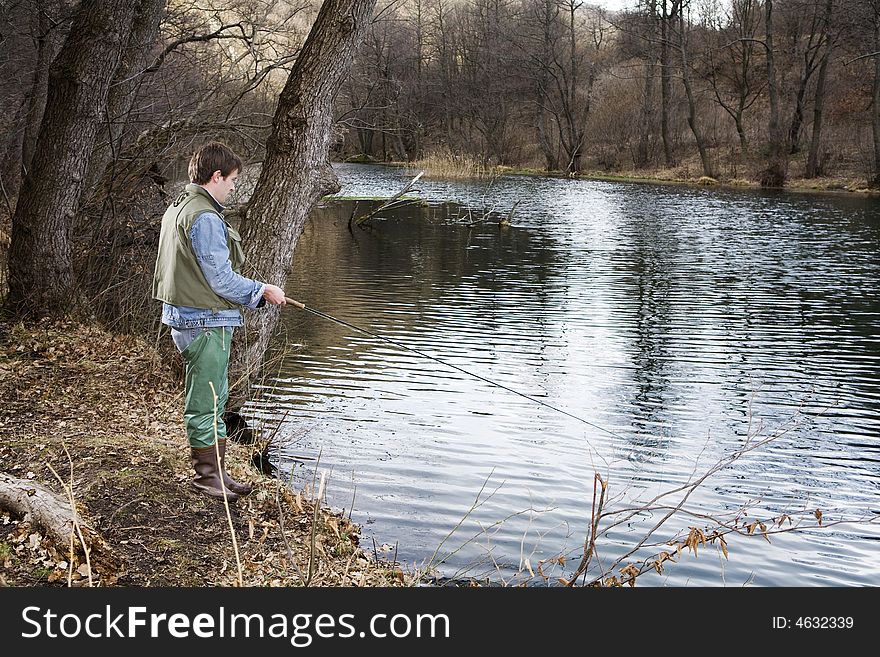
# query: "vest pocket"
236,251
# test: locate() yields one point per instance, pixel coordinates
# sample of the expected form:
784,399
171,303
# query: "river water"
679,325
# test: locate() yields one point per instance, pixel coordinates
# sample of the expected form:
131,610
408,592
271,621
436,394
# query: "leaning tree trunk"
296,171
40,270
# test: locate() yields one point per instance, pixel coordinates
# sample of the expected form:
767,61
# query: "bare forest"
106,99
730,88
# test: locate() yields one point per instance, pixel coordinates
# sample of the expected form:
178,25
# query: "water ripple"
680,322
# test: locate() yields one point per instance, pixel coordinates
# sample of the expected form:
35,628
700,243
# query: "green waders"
207,370
207,362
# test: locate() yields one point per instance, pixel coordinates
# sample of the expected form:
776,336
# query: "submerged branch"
395,201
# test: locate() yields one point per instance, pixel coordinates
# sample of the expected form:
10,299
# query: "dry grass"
443,163
114,406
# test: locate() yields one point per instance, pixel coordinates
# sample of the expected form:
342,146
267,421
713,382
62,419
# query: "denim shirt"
208,236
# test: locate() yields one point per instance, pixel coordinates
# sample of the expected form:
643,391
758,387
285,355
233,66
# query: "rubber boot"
208,478
231,484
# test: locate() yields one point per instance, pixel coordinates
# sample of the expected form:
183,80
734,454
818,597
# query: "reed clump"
445,163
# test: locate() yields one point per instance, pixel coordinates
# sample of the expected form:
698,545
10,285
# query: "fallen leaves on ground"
105,412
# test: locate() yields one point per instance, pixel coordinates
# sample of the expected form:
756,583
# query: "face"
222,187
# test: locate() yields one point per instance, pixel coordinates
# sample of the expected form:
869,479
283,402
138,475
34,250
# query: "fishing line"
303,306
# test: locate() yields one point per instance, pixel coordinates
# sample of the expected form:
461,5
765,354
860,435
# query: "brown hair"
212,157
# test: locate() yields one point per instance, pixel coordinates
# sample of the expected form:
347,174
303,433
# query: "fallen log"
42,507
38,505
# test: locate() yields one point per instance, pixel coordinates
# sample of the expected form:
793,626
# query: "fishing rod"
302,306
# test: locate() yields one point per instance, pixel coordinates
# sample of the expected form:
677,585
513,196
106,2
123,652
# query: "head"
215,167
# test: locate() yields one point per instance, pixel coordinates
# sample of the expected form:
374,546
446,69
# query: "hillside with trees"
733,88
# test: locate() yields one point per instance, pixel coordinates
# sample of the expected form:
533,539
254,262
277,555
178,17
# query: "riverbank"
848,185
104,412
686,174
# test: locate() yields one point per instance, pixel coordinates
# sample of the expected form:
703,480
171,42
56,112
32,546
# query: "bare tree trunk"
692,108
747,11
647,111
573,124
777,160
810,53
446,77
37,100
544,139
365,139
296,172
665,86
813,167
135,59
875,94
47,40
421,85
40,270
797,119
741,131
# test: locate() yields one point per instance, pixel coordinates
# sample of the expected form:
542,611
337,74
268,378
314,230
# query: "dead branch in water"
671,504
394,202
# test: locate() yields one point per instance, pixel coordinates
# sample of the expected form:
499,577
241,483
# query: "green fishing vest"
178,278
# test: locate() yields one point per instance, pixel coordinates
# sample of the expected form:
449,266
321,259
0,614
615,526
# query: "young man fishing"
198,280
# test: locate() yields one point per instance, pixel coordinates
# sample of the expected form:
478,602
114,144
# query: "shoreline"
105,413
838,186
